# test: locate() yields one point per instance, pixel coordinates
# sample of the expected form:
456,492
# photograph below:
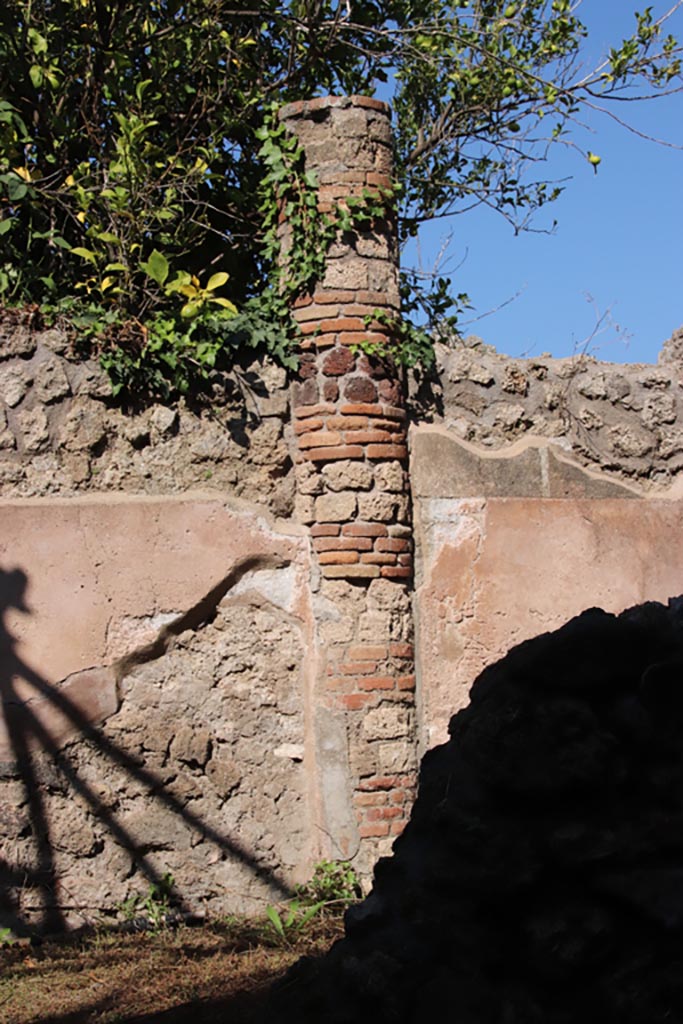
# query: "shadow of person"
40,874
33,759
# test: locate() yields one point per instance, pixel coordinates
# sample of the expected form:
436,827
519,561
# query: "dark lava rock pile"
540,879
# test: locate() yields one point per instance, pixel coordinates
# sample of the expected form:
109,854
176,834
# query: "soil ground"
216,973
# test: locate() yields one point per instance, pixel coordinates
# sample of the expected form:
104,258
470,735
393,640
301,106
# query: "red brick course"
382,180
369,436
304,426
357,668
387,451
377,799
328,297
342,323
311,311
361,408
392,544
399,572
364,530
325,530
377,683
361,335
405,682
338,557
342,543
383,813
346,422
354,701
347,451
382,782
399,650
360,572
320,439
374,831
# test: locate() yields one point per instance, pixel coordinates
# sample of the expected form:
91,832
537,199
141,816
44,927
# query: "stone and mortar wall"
156,707
624,420
198,773
61,433
349,423
541,487
110,780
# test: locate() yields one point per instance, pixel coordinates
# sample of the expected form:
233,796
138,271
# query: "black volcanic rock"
540,878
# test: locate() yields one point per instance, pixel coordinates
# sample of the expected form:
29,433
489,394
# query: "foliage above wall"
136,162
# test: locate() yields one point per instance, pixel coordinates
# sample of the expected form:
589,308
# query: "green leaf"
16,188
35,73
275,920
85,254
180,281
156,267
141,88
308,913
38,42
191,308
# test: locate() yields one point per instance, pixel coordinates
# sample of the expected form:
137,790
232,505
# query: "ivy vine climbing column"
350,444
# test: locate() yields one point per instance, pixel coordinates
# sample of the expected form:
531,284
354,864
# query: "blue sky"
617,251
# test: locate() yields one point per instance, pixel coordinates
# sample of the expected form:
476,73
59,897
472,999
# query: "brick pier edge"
350,448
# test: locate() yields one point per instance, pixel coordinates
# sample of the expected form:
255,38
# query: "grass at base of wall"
217,973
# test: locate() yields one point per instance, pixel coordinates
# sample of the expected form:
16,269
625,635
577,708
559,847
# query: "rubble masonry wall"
208,614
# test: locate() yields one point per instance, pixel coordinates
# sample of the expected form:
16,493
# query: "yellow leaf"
80,216
226,304
23,172
216,281
70,181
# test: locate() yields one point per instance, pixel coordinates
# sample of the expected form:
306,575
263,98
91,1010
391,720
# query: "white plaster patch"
276,585
294,751
448,521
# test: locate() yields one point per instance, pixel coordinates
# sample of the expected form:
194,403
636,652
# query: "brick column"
349,426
